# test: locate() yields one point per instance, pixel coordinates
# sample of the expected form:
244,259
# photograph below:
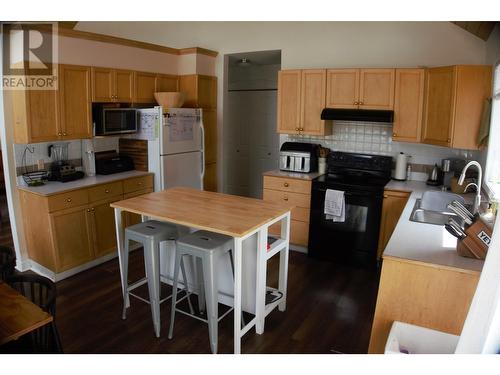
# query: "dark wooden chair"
42,292
7,262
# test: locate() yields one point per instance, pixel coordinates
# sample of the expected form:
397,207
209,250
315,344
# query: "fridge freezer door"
181,131
182,170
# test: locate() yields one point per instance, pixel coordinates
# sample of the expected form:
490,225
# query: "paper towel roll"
400,171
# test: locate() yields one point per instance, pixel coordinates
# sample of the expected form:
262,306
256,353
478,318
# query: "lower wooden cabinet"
297,193
69,229
392,207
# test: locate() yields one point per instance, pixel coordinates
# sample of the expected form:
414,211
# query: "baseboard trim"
299,249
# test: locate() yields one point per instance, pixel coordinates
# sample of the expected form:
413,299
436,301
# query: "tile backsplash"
376,138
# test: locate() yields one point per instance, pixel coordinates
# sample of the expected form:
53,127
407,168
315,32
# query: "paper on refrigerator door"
180,128
149,124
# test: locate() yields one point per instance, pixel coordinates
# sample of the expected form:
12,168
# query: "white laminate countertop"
295,175
422,242
56,187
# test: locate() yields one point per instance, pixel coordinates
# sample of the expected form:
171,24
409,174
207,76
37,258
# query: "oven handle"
357,194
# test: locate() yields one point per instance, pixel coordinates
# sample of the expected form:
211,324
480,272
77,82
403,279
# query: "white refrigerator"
175,146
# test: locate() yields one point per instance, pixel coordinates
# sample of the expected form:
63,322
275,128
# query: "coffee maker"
60,169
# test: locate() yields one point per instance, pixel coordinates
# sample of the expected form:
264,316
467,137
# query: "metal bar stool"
207,247
150,234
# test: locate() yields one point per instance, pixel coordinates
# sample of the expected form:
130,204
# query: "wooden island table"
234,216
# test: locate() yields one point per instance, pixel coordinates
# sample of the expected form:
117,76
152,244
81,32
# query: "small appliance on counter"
109,162
435,177
299,157
60,169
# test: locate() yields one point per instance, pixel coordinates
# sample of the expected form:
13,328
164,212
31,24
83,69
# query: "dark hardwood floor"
330,309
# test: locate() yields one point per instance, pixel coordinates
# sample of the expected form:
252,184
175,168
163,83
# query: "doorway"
251,143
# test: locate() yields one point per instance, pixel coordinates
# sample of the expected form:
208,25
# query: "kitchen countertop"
423,242
295,175
56,187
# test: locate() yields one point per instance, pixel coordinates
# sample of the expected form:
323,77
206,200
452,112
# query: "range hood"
373,115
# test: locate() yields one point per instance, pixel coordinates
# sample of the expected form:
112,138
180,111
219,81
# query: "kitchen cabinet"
75,102
393,205
200,91
424,294
360,88
166,82
41,116
301,98
454,101
112,85
408,105
69,229
145,86
297,193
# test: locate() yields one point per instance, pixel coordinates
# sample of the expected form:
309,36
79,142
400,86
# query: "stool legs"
186,287
201,286
177,264
211,290
151,259
125,278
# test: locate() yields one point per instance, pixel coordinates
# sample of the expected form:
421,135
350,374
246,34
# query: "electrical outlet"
41,164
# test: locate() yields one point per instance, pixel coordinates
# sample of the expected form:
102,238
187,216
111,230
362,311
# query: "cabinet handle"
386,196
286,184
285,198
68,200
106,191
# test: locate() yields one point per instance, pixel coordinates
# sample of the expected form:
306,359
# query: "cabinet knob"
92,209
386,196
59,134
106,191
65,134
394,134
68,200
297,129
140,183
88,209
286,184
361,103
448,140
356,103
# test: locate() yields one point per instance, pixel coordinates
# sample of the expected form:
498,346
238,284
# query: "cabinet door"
210,178
313,98
210,126
392,207
102,85
75,102
342,88
376,89
408,105
145,87
207,92
103,226
439,106
124,86
289,101
71,234
165,82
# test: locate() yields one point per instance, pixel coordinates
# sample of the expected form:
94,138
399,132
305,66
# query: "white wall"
312,44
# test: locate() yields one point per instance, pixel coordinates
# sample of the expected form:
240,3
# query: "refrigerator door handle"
202,152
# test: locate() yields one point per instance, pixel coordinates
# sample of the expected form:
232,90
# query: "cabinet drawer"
287,184
105,191
67,200
138,183
137,193
299,232
295,199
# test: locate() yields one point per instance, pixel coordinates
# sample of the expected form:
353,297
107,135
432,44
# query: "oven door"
354,240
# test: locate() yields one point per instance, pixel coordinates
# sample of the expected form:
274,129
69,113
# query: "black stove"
362,178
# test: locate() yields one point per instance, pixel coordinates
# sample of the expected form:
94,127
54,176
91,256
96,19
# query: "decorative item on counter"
323,154
401,164
35,178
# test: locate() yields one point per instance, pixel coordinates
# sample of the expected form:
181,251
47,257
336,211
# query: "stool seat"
153,230
203,240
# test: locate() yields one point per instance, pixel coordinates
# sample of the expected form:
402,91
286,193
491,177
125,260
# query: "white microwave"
109,121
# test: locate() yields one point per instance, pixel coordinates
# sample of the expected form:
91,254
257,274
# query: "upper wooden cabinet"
145,86
301,98
408,105
166,82
360,88
454,100
112,85
200,90
74,102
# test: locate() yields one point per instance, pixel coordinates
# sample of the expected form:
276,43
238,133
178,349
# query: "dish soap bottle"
408,169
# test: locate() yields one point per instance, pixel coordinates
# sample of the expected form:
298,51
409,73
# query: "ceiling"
481,29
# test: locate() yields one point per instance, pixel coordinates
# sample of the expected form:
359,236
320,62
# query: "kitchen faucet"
477,200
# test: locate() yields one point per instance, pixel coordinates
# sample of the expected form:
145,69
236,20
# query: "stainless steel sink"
420,215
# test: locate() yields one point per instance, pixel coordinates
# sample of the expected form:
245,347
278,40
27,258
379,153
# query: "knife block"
476,244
